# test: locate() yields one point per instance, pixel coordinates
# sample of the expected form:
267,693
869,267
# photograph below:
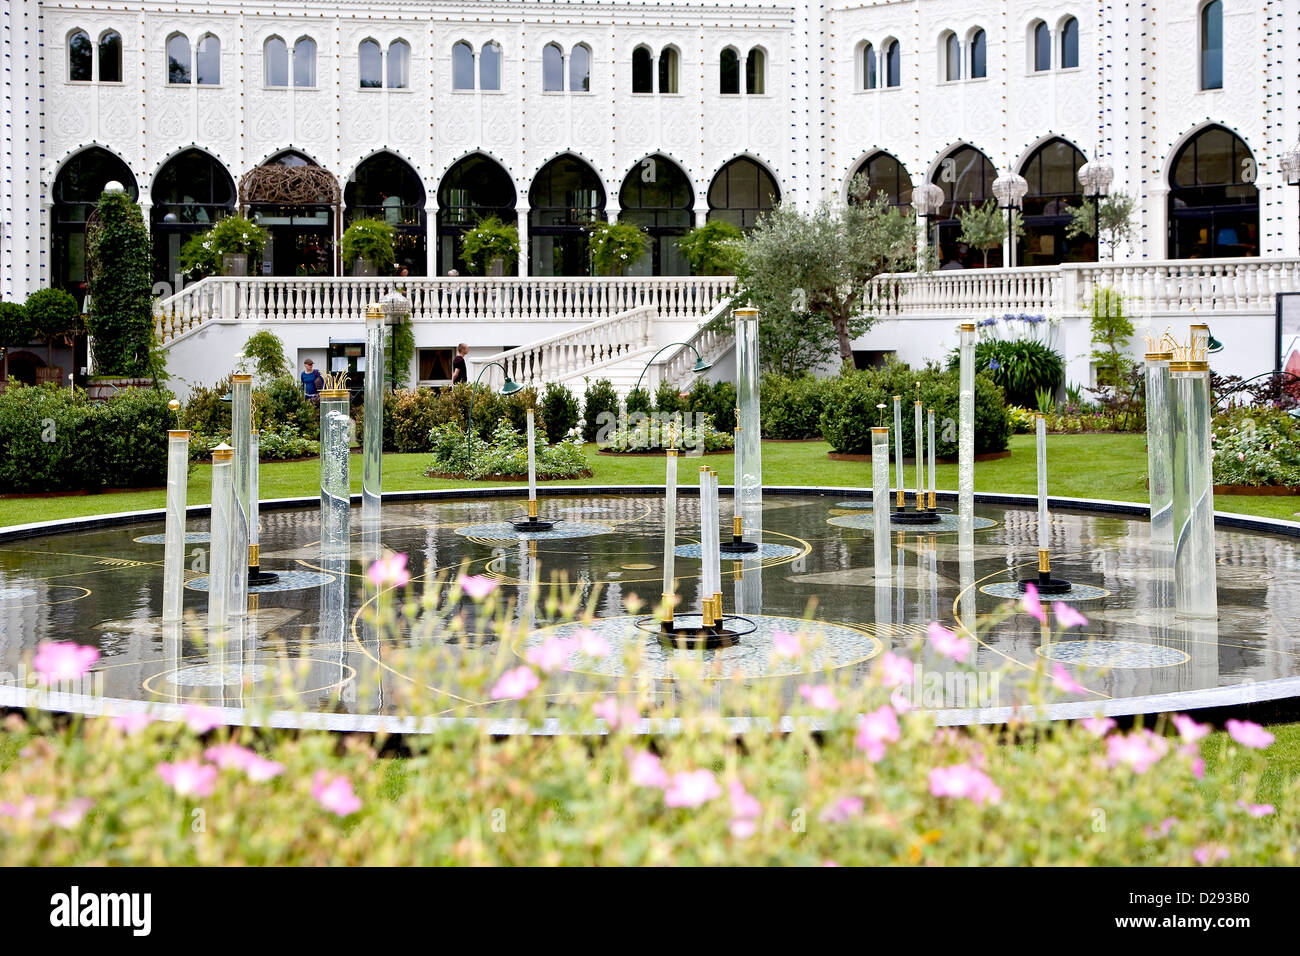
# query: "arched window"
580,69
275,62
1070,44
1042,48
657,196
565,198
77,189
668,70
462,66
1213,200
80,57
304,63
178,58
474,189
1212,45
893,64
868,67
399,65
191,192
110,57
207,61
552,68
642,70
741,192
755,72
951,57
966,177
887,179
489,66
978,55
729,72
385,187
1052,172
370,65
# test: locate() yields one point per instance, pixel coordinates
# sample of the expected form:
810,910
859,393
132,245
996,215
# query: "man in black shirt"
459,373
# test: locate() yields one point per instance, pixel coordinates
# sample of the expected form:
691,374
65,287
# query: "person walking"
459,371
312,381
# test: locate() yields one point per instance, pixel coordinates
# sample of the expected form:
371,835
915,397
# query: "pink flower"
131,723
895,671
552,654
72,813
389,570
476,586
228,756
1198,768
201,719
821,697
786,644
745,811
1140,750
592,644
1209,853
515,684
842,809
261,769
1031,605
1249,734
1166,825
947,643
829,863
1063,682
1098,726
692,788
1241,456
25,809
900,701
189,778
616,715
1256,810
963,781
875,730
742,828
335,794
1067,616
57,661
646,770
1189,729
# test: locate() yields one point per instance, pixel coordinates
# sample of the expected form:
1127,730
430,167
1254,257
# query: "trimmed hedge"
791,405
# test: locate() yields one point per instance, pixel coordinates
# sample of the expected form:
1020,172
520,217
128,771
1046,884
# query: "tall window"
207,61
1213,199
978,55
1212,45
399,65
1042,48
370,65
275,62
893,64
1052,172
462,66
729,72
868,67
80,57
552,68
755,70
110,57
668,70
952,58
887,179
178,58
580,69
642,70
489,66
1070,44
304,62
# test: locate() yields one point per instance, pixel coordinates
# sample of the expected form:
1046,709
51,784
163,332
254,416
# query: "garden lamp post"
509,388
1010,189
1290,162
699,366
927,198
397,309
1095,177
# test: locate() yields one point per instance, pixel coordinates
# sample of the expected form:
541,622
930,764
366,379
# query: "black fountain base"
1045,583
738,545
922,516
688,632
532,524
256,576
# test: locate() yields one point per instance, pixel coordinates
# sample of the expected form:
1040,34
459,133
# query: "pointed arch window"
1042,48
978,55
951,58
668,70
399,65
552,68
868,67
729,72
370,65
893,64
110,57
489,66
178,59
580,69
462,66
207,61
304,63
642,70
275,62
1212,45
80,58
1070,44
756,72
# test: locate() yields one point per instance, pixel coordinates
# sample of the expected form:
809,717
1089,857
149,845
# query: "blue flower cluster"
1021,317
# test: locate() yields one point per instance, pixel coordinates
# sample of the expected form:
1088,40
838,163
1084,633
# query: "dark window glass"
275,60
1070,44
1042,48
668,70
887,179
740,192
893,64
110,58
1212,46
207,61
552,68
80,60
462,66
580,69
978,67
1213,200
729,72
370,65
1052,172
642,71
755,68
178,59
952,58
868,67
657,196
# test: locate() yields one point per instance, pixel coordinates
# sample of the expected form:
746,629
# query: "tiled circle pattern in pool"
191,537
288,581
217,675
947,523
1077,592
505,531
766,549
1112,654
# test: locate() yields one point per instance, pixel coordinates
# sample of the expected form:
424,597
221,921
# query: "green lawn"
1082,466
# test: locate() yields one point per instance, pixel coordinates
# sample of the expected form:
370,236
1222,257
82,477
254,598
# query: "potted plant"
368,244
120,321
54,317
491,247
710,248
228,248
616,246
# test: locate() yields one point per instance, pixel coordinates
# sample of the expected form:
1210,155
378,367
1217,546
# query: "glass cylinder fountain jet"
966,433
255,573
372,435
919,514
241,437
748,492
880,500
335,511
670,537
1195,587
1160,448
1044,581
220,576
531,522
930,437
178,466
712,631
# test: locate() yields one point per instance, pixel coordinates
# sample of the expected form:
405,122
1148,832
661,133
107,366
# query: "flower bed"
1256,446
504,456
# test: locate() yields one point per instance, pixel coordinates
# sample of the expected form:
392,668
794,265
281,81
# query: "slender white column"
1160,449
899,481
749,447
880,499
670,534
241,436
930,436
178,464
532,466
335,496
966,433
919,443
220,574
372,479
1195,586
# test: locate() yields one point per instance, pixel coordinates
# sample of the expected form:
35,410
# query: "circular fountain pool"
99,582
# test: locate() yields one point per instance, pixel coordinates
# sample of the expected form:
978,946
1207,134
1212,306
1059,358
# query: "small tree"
490,239
371,240
711,248
985,227
121,289
15,328
54,317
1114,215
1111,331
265,350
615,246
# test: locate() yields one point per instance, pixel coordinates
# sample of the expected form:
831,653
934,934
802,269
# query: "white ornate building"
665,113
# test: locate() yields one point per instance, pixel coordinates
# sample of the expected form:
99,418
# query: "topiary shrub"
490,407
668,400
791,405
287,406
265,351
600,399
15,326
717,400
54,317
560,410
504,452
121,289
638,400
